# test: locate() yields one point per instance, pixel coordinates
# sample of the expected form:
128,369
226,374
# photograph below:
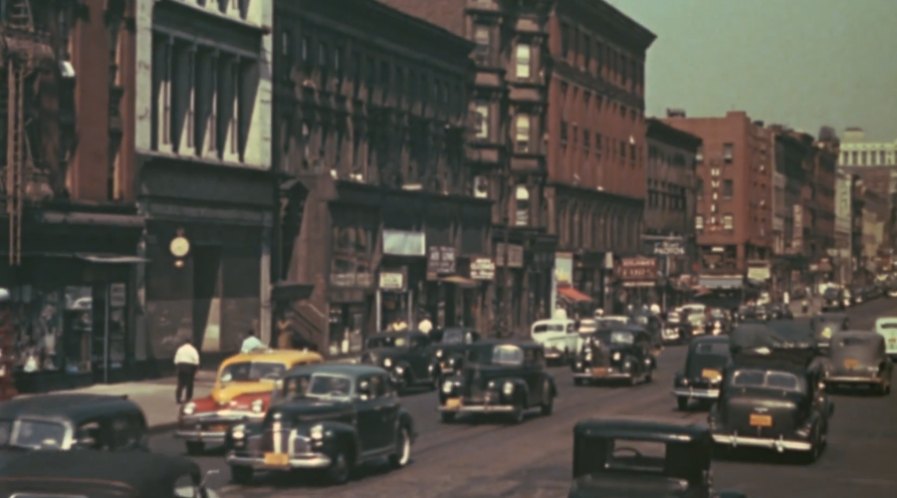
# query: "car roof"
75,407
643,429
886,319
285,356
150,474
347,369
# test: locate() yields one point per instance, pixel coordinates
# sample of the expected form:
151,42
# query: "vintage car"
824,326
618,353
652,325
407,356
642,458
886,327
242,391
448,353
834,298
72,421
96,474
857,358
772,396
718,322
499,377
703,373
695,324
330,417
559,337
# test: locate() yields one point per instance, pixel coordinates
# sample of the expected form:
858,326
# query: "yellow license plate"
761,420
453,403
709,373
851,363
277,459
599,371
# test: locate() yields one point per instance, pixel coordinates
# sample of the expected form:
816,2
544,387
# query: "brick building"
380,220
70,265
734,214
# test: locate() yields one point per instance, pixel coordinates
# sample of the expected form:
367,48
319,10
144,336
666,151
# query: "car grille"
276,440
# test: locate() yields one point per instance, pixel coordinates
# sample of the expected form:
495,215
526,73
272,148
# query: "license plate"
851,363
761,420
711,374
218,428
599,371
453,403
277,459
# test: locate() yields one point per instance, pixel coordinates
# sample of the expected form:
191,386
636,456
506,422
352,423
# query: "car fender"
520,387
338,435
552,385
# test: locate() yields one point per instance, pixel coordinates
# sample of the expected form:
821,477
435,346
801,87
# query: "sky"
801,63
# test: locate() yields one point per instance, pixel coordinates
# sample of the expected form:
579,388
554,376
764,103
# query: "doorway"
207,298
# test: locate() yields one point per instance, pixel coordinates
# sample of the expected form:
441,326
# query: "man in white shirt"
251,343
186,362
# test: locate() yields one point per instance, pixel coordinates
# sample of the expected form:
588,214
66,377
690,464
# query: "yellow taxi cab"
242,391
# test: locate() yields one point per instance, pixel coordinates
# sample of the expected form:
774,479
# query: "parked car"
695,324
779,311
97,474
702,375
558,336
623,352
627,457
833,298
330,417
652,325
499,377
448,354
886,326
772,395
242,391
858,358
824,326
719,322
72,421
407,356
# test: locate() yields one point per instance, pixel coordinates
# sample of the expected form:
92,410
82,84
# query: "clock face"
179,247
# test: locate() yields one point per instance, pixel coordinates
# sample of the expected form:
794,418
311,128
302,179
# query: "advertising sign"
392,280
482,269
514,255
441,260
638,271
669,248
563,268
404,243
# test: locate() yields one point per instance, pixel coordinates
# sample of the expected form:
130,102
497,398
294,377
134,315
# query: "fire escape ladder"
20,16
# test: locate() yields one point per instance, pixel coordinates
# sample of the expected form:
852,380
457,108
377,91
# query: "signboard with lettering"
638,271
482,269
441,260
392,280
514,255
669,248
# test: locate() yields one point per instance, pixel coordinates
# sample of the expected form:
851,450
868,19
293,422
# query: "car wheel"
340,468
195,447
682,403
403,449
815,449
649,377
241,474
447,417
548,406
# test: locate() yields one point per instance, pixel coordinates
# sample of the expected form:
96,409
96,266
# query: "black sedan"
703,373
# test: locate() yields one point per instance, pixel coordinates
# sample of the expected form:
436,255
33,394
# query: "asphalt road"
491,459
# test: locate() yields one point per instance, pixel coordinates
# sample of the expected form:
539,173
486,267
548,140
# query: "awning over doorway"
113,259
721,282
574,295
460,281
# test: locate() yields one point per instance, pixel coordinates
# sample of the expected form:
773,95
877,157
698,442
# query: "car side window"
376,386
89,435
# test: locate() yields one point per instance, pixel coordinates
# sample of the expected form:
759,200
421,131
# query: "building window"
598,146
481,37
565,40
623,150
727,153
699,222
482,124
522,133
728,189
586,138
523,60
728,222
586,52
881,158
633,155
699,154
521,198
563,132
306,43
699,188
285,42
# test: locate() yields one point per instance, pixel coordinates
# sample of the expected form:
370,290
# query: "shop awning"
460,281
574,295
721,282
111,259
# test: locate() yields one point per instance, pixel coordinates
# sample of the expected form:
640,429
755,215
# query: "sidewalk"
155,397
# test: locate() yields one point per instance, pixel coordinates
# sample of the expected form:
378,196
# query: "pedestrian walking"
186,362
251,343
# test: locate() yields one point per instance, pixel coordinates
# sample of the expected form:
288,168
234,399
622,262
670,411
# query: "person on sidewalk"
251,343
186,362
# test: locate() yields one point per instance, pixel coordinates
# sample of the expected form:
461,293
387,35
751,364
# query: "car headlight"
491,384
257,406
439,353
588,355
189,408
451,362
387,362
508,388
278,384
447,387
399,369
238,432
316,432
616,356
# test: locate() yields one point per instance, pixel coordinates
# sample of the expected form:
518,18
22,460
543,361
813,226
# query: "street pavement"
534,459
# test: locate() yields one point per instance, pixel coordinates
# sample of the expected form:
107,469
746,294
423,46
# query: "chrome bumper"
303,461
479,409
200,436
691,392
780,444
608,375
853,379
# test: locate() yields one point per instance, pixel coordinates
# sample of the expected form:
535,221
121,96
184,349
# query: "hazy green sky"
803,63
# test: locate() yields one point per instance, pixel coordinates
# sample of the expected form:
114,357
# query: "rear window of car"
252,371
507,355
888,325
716,349
767,379
830,293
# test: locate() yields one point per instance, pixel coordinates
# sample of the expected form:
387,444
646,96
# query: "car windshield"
38,435
251,371
502,354
552,327
714,349
696,317
830,293
769,379
329,386
387,341
622,337
849,342
453,336
717,314
640,319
